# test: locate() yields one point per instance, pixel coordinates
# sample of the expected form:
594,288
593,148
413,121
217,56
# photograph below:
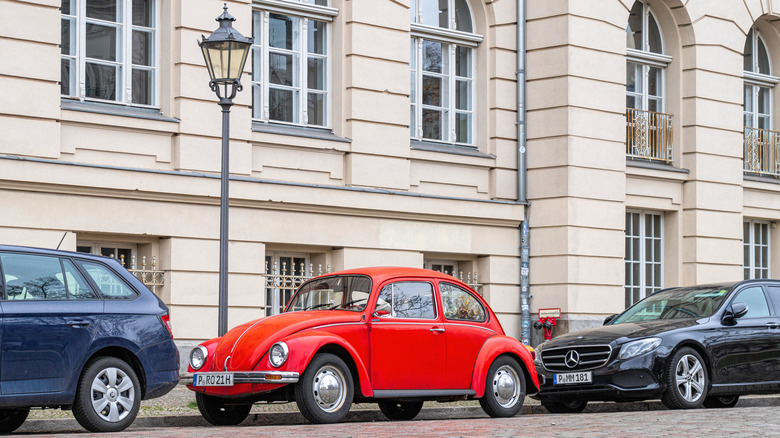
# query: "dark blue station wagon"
78,331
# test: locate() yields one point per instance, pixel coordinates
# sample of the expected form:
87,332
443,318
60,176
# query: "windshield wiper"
347,304
316,307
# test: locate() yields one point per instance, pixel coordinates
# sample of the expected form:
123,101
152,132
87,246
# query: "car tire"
565,407
12,419
504,388
401,411
325,391
686,380
715,401
108,395
218,413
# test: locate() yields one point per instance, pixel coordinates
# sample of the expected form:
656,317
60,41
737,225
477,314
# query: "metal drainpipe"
525,296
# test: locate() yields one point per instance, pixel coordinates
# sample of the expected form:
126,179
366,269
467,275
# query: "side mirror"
736,311
380,313
609,319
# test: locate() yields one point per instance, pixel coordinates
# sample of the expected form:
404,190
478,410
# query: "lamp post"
225,52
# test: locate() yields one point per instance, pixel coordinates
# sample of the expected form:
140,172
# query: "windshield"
346,292
676,303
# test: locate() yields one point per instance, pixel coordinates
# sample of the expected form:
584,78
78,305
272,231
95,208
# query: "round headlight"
278,354
198,357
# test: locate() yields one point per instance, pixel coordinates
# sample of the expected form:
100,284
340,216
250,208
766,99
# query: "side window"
755,300
78,288
408,299
109,283
774,296
458,303
33,277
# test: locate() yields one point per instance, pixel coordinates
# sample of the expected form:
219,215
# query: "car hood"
247,343
622,333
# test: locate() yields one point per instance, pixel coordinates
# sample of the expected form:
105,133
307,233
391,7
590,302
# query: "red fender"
304,345
494,347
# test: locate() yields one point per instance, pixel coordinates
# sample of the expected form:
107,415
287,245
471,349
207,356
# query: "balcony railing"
149,275
649,135
762,152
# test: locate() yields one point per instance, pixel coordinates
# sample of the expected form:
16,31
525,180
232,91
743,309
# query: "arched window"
758,82
649,130
443,71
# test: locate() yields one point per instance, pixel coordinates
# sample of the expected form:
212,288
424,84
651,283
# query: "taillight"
166,319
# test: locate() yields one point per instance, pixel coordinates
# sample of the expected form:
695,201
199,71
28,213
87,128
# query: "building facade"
384,132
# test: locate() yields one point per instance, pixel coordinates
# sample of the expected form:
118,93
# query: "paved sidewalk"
178,409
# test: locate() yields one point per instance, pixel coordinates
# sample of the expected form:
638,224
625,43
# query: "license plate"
212,379
570,378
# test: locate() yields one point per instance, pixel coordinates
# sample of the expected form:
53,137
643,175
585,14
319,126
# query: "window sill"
115,110
449,149
298,131
647,164
761,178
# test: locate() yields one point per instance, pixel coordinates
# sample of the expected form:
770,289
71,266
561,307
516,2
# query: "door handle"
771,325
437,330
77,323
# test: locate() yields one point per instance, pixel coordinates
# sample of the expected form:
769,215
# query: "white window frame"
646,286
124,86
276,305
755,81
751,266
304,12
646,60
452,38
432,264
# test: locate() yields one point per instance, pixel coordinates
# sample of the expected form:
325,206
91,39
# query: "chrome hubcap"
329,388
113,394
506,386
689,378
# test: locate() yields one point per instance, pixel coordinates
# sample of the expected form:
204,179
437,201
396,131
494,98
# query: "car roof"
55,252
382,273
730,285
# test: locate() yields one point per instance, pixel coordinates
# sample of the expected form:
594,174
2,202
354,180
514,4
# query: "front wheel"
12,419
108,396
325,391
686,380
504,388
217,412
715,401
565,407
402,411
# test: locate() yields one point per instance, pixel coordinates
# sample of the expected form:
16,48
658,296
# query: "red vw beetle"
392,336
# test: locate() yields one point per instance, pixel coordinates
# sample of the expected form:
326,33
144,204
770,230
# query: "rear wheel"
504,388
565,407
402,411
715,401
12,419
216,411
686,380
108,396
325,391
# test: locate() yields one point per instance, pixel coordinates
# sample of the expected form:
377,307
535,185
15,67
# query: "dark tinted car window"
755,300
409,299
33,277
774,296
109,283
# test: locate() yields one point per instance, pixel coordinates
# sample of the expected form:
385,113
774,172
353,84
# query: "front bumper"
273,377
638,378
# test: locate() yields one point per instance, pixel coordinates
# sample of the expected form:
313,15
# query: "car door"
749,347
49,318
407,338
464,321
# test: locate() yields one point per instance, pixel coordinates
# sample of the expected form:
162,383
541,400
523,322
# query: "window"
755,300
408,299
109,283
291,62
458,303
34,277
123,252
755,246
285,273
442,63
445,267
110,51
644,66
644,255
758,82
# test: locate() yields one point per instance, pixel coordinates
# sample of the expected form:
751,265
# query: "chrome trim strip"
574,347
337,324
262,377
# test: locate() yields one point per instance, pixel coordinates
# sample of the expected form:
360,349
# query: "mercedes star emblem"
572,358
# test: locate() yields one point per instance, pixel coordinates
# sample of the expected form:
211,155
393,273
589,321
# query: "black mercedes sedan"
689,346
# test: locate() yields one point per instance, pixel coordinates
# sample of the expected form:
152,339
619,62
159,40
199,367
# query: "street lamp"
225,52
